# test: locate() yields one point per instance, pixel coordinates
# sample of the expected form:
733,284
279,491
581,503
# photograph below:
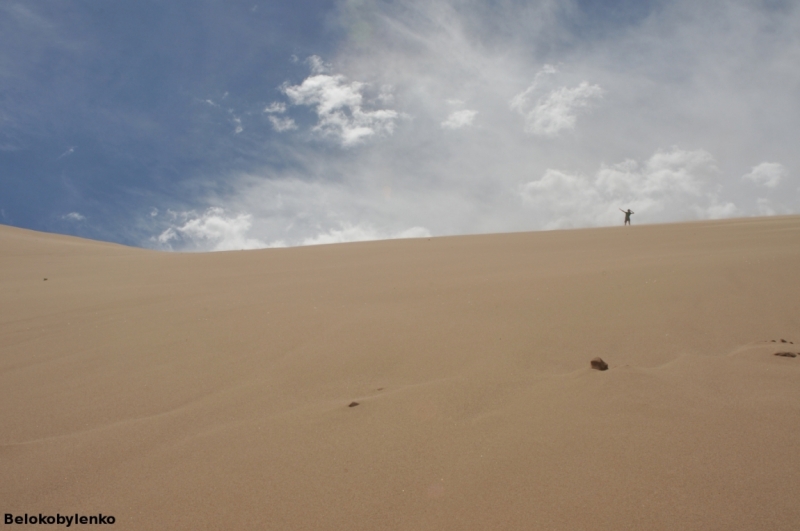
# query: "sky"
203,125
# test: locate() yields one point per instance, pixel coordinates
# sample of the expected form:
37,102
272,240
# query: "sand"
212,391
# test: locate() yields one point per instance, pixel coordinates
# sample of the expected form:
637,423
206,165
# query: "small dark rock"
599,364
786,354
353,404
45,279
772,340
783,341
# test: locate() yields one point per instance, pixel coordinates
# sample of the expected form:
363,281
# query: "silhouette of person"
627,215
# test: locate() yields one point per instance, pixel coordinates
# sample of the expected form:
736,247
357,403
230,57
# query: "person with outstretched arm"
627,215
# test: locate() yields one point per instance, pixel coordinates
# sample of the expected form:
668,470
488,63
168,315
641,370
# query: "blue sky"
212,125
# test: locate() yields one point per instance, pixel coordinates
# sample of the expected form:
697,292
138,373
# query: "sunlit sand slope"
212,391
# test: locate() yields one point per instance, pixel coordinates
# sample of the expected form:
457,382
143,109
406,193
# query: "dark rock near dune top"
353,404
786,354
599,364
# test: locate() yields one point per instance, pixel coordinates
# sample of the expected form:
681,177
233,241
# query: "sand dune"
211,391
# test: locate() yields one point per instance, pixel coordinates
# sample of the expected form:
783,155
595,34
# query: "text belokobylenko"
58,519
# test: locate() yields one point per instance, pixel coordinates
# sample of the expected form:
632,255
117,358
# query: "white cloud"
340,108
317,65
459,119
718,210
74,216
672,184
167,236
360,233
293,211
212,230
413,232
276,107
765,207
549,114
68,152
282,124
775,181
278,123
386,96
674,76
768,174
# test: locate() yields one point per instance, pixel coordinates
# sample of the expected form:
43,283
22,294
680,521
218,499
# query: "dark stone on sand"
353,404
786,354
599,364
772,340
783,341
45,279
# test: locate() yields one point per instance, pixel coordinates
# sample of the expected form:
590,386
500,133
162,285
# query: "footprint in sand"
784,354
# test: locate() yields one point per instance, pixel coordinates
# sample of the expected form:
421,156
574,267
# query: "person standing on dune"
627,215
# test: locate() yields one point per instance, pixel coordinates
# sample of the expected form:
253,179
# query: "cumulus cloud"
671,184
212,230
283,213
359,233
671,76
775,189
765,207
340,109
275,107
317,65
459,119
549,113
281,124
767,174
74,216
